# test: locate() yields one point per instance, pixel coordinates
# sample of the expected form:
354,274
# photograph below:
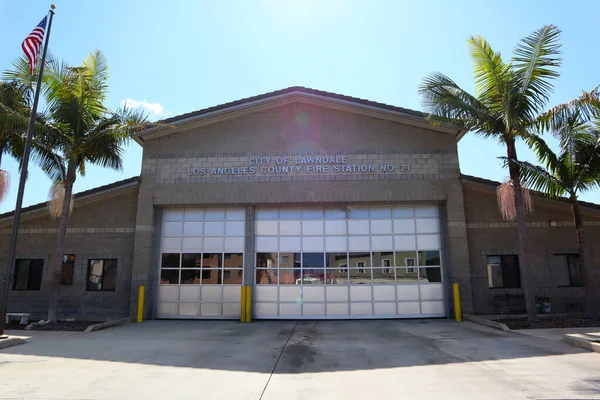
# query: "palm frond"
447,103
539,179
490,71
536,59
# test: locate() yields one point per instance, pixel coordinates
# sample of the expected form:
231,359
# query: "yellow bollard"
457,312
140,314
243,305
248,304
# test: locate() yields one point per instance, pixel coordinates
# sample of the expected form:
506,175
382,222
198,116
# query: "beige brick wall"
103,228
489,234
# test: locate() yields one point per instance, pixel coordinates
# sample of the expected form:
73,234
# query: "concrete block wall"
294,131
489,234
102,227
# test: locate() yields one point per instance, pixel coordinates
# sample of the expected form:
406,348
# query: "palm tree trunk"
585,263
524,267
56,265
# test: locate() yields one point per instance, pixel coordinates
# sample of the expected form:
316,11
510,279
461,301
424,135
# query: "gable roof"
91,193
289,95
492,185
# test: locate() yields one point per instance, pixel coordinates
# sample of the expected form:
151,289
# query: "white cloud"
154,109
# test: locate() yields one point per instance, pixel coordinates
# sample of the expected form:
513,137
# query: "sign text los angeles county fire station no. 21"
295,165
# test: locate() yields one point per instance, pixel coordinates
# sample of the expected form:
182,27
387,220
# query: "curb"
107,324
10,342
487,322
581,343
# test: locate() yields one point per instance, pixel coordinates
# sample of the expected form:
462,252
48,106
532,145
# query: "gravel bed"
549,321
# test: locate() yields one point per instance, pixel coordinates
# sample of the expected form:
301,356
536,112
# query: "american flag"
32,43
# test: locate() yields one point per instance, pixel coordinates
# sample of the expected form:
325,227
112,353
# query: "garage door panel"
408,308
313,310
265,293
361,309
407,292
385,308
384,293
189,293
169,293
337,310
360,293
211,309
232,293
265,309
191,309
313,293
167,309
395,239
432,307
432,292
290,310
337,293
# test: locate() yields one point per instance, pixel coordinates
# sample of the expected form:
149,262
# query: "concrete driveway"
296,360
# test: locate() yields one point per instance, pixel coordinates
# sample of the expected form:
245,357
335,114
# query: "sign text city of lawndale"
293,165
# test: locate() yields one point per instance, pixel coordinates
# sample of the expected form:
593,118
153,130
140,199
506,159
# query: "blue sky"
178,56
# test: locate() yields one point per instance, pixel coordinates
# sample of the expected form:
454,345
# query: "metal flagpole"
10,260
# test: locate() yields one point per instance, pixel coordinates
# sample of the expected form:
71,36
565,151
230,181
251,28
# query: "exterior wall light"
552,222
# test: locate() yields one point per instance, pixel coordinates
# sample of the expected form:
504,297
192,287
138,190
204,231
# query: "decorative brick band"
535,224
38,231
283,153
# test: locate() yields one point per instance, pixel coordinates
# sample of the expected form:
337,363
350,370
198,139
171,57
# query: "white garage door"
202,258
351,262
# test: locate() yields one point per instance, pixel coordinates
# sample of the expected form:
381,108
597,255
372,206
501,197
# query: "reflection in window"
336,260
102,275
406,276
382,259
266,277
313,276
312,260
430,275
191,260
360,276
363,258
383,276
232,276
266,260
28,274
170,260
212,260
503,271
211,277
190,276
233,260
406,258
169,276
429,258
337,277
289,276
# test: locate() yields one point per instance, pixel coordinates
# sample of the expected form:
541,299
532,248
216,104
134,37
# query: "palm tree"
576,169
13,125
509,98
80,130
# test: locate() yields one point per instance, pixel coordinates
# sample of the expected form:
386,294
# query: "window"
102,275
386,263
566,271
361,267
28,274
68,268
410,270
343,267
503,271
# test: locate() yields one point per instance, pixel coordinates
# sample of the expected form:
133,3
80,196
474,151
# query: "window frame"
567,255
87,285
63,283
16,272
502,257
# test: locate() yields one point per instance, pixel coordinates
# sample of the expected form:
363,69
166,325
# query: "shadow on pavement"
292,347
